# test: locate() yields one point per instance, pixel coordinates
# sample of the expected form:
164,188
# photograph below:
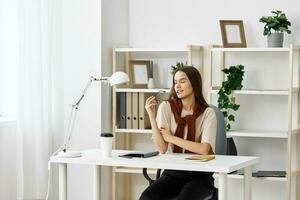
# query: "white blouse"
206,124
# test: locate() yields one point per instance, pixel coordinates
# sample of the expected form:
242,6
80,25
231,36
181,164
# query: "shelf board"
145,90
133,170
259,133
151,50
259,92
133,130
286,49
237,176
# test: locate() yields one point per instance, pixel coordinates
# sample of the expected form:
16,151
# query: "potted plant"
226,101
274,28
178,65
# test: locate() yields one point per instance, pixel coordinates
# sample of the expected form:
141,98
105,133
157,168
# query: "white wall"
89,29
81,55
175,23
114,32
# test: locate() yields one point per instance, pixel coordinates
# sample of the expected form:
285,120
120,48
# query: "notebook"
140,154
202,158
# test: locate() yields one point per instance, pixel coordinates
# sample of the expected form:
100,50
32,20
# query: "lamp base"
69,154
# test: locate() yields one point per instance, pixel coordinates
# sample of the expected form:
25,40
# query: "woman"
184,124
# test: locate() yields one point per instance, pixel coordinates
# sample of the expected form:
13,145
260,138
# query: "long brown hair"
196,81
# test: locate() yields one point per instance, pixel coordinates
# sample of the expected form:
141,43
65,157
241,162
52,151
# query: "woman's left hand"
166,133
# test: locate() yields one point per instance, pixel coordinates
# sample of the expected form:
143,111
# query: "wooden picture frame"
139,73
233,34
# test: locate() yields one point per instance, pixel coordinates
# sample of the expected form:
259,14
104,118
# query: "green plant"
278,22
178,65
233,81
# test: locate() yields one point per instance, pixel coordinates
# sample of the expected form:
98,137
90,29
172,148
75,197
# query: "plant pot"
275,40
231,148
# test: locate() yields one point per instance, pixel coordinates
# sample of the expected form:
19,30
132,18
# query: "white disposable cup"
106,140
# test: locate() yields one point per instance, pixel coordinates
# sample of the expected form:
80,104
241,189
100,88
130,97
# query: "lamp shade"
118,78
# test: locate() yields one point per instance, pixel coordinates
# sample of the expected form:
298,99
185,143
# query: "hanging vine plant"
226,102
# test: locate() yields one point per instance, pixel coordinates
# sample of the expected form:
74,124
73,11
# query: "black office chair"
220,149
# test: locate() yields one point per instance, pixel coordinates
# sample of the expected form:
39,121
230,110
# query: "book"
121,109
128,110
271,173
135,110
202,158
144,121
267,173
140,154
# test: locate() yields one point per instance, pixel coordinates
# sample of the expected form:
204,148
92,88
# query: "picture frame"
139,73
233,34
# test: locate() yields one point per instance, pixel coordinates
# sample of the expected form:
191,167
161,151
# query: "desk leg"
97,171
222,186
62,171
247,183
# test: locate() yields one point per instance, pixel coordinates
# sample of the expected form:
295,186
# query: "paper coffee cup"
106,140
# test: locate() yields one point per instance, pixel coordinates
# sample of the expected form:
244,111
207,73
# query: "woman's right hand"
150,106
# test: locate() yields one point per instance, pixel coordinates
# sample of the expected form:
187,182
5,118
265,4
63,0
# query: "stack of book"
131,113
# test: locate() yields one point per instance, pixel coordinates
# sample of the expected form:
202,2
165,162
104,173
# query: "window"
9,58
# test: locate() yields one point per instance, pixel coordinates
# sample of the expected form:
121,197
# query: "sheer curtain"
32,81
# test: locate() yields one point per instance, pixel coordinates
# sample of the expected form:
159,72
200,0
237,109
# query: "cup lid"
106,135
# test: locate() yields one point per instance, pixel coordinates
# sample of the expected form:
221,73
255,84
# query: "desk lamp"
115,79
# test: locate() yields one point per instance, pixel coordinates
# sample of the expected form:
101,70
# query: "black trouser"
181,185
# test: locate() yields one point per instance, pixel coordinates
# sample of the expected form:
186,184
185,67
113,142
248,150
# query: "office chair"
220,148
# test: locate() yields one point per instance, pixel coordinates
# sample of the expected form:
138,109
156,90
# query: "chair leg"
145,173
158,173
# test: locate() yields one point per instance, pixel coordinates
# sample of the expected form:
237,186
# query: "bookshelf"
291,95
261,133
191,54
260,92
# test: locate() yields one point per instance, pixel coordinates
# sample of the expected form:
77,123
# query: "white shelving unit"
133,50
216,48
128,53
237,176
260,133
260,92
118,130
156,90
277,134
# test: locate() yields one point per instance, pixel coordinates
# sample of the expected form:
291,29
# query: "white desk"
221,164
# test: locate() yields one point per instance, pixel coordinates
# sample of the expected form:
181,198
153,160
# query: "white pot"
275,40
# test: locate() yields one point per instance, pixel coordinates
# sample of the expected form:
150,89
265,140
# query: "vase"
150,83
275,40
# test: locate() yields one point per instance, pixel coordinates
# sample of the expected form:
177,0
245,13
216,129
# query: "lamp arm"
75,108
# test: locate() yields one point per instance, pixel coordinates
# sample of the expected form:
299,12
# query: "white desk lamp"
115,79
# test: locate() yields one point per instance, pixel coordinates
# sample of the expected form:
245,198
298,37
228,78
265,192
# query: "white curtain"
34,85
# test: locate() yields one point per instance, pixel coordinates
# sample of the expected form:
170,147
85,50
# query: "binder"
128,110
135,110
121,109
144,121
